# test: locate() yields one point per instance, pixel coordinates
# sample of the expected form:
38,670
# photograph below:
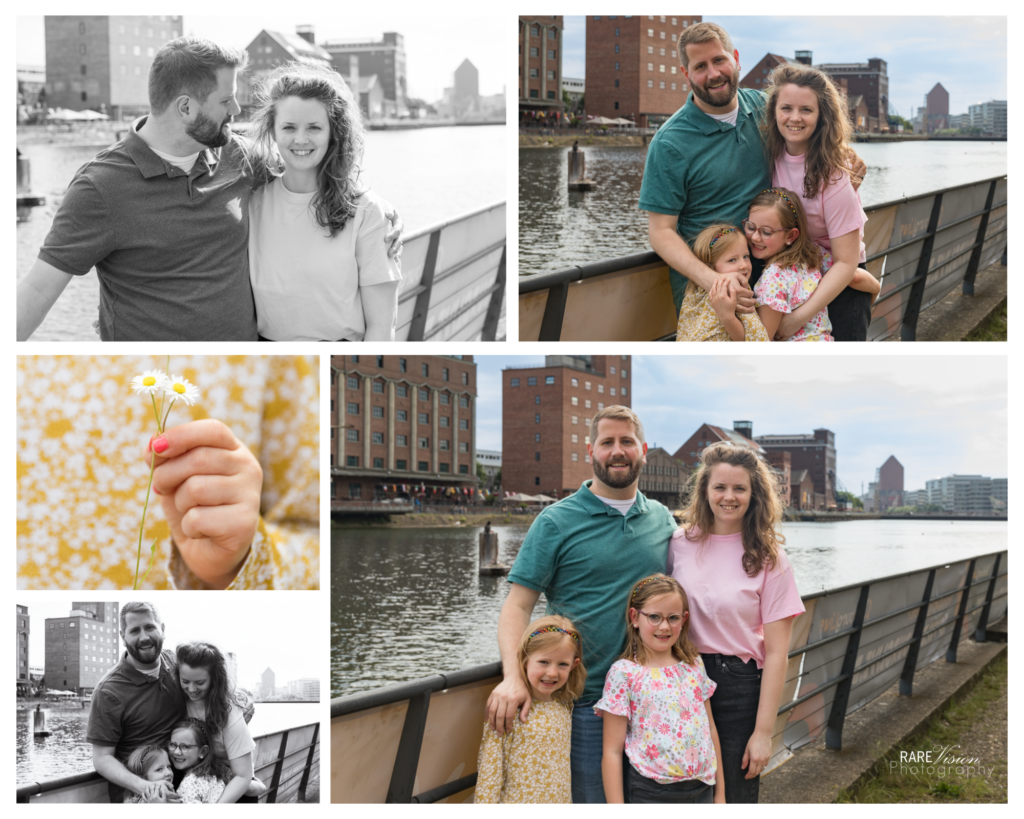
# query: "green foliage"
849,496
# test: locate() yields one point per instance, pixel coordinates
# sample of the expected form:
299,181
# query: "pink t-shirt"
835,211
728,609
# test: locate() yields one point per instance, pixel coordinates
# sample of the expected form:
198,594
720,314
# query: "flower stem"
138,558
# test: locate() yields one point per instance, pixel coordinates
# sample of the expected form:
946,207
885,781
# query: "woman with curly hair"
319,257
807,136
728,556
210,697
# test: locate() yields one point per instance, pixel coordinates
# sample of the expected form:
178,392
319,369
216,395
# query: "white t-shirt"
183,162
622,505
306,284
728,119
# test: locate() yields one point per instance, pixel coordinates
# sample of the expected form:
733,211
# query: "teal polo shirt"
170,248
585,557
705,171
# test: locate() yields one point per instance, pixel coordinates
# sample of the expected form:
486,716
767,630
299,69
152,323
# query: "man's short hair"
617,412
137,607
189,65
702,33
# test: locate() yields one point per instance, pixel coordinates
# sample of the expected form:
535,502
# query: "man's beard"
207,132
158,645
720,97
617,481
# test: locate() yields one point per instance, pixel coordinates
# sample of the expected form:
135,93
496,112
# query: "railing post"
403,775
490,331
979,632
275,782
955,640
908,328
418,325
309,762
972,265
554,311
910,664
834,730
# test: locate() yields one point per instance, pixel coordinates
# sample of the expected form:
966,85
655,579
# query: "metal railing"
854,647
913,260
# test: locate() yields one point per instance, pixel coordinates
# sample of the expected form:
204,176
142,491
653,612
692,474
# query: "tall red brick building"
869,80
403,427
633,67
816,453
540,71
545,419
889,485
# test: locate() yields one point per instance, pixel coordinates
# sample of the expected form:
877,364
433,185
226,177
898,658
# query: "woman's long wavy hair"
337,176
221,695
761,535
829,148
208,765
640,595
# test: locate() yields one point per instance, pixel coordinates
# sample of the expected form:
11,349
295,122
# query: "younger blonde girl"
530,762
152,764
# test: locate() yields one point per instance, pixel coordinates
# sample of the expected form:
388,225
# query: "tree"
481,474
849,496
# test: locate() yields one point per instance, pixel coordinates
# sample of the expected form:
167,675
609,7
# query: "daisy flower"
178,388
151,382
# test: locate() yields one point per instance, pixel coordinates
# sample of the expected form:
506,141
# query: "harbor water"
428,174
407,603
65,751
559,228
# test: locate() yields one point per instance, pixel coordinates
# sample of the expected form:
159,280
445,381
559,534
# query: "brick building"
870,81
707,434
384,58
663,478
402,427
466,85
889,485
81,647
269,49
782,464
816,453
545,419
102,63
801,491
540,71
633,67
757,77
937,103
22,630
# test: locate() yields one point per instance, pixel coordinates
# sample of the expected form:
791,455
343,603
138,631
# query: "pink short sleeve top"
728,609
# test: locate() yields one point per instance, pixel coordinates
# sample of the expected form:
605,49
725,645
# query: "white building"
965,494
990,117
306,688
490,460
574,87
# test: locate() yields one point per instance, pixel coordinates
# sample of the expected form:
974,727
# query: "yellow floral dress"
530,763
82,477
699,322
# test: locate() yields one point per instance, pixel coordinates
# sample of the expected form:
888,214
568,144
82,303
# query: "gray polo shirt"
704,171
170,248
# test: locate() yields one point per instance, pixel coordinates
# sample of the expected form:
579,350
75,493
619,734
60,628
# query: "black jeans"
639,790
850,314
734,707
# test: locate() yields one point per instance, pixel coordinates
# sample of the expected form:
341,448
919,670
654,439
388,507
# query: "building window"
402,391
600,406
600,388
650,66
662,35
402,365
424,395
650,32
423,466
586,385
552,34
464,401
586,459
661,85
551,95
444,445
378,463
463,446
625,373
616,66
402,415
536,437
650,83
353,382
575,401
402,440
378,437
534,52
465,379
550,379
463,469
352,435
616,48
536,418
551,75
575,382
536,399
513,382
424,370
575,419
378,412
531,381
424,443
650,49
535,31
536,456
534,73
352,408
463,423
586,404
443,420
575,438
575,457
624,393
352,460
402,465
423,418
616,32
444,398
551,54
443,467
536,482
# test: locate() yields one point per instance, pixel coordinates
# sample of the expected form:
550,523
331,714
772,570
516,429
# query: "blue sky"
966,54
937,414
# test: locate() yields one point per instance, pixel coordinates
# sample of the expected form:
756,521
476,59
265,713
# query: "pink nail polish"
159,444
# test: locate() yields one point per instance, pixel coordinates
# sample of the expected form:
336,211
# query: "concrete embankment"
872,734
432,519
563,141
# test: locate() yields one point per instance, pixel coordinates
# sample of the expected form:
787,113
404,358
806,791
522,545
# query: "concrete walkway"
957,315
818,775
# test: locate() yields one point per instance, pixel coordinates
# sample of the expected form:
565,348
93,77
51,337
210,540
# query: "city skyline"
430,69
920,51
246,628
862,391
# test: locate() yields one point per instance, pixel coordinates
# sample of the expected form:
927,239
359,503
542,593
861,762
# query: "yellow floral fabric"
699,322
82,476
530,763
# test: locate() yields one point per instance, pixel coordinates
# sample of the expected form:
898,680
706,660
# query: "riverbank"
560,141
435,519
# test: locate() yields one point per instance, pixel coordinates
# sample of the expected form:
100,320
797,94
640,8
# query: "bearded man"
136,703
585,553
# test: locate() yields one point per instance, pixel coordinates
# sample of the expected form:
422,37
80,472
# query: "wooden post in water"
26,199
489,564
578,171
39,722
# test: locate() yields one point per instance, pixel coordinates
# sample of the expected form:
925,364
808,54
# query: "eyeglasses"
750,227
180,746
674,620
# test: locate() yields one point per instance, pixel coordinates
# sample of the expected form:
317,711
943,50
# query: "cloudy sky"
966,54
937,414
277,630
434,45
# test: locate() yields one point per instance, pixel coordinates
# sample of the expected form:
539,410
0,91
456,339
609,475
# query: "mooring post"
577,166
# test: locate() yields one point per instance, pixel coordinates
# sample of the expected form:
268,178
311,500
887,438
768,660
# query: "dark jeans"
639,790
585,756
734,707
850,314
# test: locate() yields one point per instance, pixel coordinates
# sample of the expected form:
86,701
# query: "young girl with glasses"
655,706
205,775
530,762
776,230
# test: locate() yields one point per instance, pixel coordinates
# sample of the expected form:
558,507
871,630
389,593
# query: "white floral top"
698,320
82,477
669,736
783,289
530,763
200,789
